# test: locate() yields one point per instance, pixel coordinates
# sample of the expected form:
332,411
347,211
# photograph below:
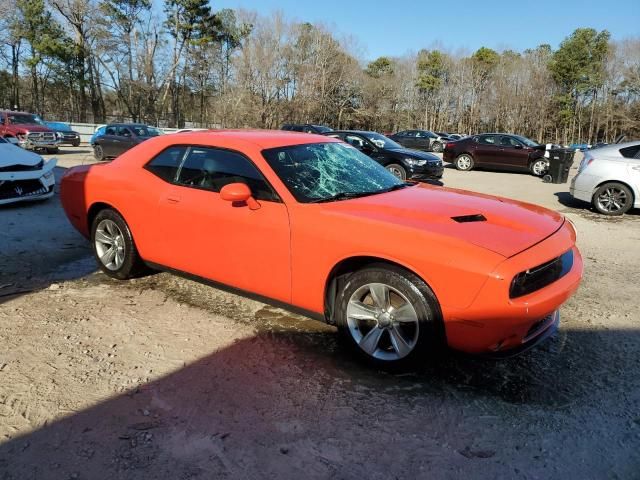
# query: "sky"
395,28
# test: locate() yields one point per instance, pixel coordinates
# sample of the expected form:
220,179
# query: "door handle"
173,199
636,168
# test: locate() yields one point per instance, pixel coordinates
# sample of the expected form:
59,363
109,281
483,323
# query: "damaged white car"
24,175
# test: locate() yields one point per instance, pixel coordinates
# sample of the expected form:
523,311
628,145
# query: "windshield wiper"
397,187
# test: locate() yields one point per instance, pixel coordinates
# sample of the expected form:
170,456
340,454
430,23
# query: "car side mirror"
239,193
518,147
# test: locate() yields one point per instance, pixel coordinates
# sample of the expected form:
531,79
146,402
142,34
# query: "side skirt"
238,291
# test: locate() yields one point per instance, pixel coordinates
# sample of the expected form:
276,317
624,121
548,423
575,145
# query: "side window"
124,132
212,169
354,140
402,134
296,128
487,140
165,165
412,134
110,131
509,141
630,152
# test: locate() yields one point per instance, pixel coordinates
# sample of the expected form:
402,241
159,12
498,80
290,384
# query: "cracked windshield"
322,172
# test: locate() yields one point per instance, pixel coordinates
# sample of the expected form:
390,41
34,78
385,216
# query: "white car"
609,178
24,175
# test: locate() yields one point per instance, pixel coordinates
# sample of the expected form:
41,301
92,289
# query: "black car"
65,135
306,128
120,137
420,140
402,162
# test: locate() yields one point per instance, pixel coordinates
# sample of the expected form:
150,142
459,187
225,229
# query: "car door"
511,154
486,149
405,138
125,139
423,140
108,140
223,241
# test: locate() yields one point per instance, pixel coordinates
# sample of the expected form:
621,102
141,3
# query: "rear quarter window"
165,165
631,152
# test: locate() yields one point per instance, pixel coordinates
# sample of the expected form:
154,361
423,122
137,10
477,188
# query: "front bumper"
429,171
70,139
496,323
22,186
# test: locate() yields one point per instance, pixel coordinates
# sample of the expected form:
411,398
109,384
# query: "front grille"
42,137
539,277
23,168
21,189
69,136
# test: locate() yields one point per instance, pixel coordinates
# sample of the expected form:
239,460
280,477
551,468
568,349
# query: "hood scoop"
470,218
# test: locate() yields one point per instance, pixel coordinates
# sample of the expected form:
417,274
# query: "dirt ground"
162,377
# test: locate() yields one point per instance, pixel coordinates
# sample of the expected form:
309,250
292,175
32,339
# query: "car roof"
256,137
613,148
361,132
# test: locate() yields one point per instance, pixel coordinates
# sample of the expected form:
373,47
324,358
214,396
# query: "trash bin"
560,161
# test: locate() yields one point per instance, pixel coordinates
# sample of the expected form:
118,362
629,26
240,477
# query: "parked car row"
32,133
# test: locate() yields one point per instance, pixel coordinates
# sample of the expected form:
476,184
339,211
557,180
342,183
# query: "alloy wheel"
539,167
110,244
463,162
382,321
612,199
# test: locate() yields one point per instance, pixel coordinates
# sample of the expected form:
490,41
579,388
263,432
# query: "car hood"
407,152
33,127
13,155
509,226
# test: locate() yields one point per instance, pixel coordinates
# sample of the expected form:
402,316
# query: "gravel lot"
161,377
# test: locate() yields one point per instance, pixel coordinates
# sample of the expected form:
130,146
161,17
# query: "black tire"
397,171
428,335
464,162
52,150
98,152
437,147
535,167
613,198
132,266
75,144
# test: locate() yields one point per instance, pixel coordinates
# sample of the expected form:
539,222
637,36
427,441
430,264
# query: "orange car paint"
287,250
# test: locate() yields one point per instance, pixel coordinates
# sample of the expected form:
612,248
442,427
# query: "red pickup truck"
28,130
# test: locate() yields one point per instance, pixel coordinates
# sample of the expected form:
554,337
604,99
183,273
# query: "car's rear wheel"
613,198
397,170
113,246
388,315
75,144
539,167
464,162
98,152
437,147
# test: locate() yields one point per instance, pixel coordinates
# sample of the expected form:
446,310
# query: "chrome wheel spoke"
398,342
405,313
110,244
108,256
369,343
380,295
103,238
360,311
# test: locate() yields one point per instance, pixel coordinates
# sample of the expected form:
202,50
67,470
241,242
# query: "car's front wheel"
113,246
464,162
98,152
397,170
437,147
388,315
613,198
52,150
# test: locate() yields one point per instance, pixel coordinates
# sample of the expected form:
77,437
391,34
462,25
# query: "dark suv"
120,137
402,162
306,128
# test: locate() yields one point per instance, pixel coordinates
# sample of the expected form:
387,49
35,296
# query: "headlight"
414,162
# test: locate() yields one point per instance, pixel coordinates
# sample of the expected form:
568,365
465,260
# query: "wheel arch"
635,193
96,208
348,265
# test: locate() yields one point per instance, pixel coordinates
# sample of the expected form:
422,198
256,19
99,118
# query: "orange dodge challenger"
309,222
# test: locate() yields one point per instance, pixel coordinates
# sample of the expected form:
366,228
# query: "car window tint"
124,132
165,165
508,141
487,139
110,131
630,152
212,169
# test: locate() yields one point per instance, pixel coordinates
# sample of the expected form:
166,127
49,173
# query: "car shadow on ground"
286,404
587,210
